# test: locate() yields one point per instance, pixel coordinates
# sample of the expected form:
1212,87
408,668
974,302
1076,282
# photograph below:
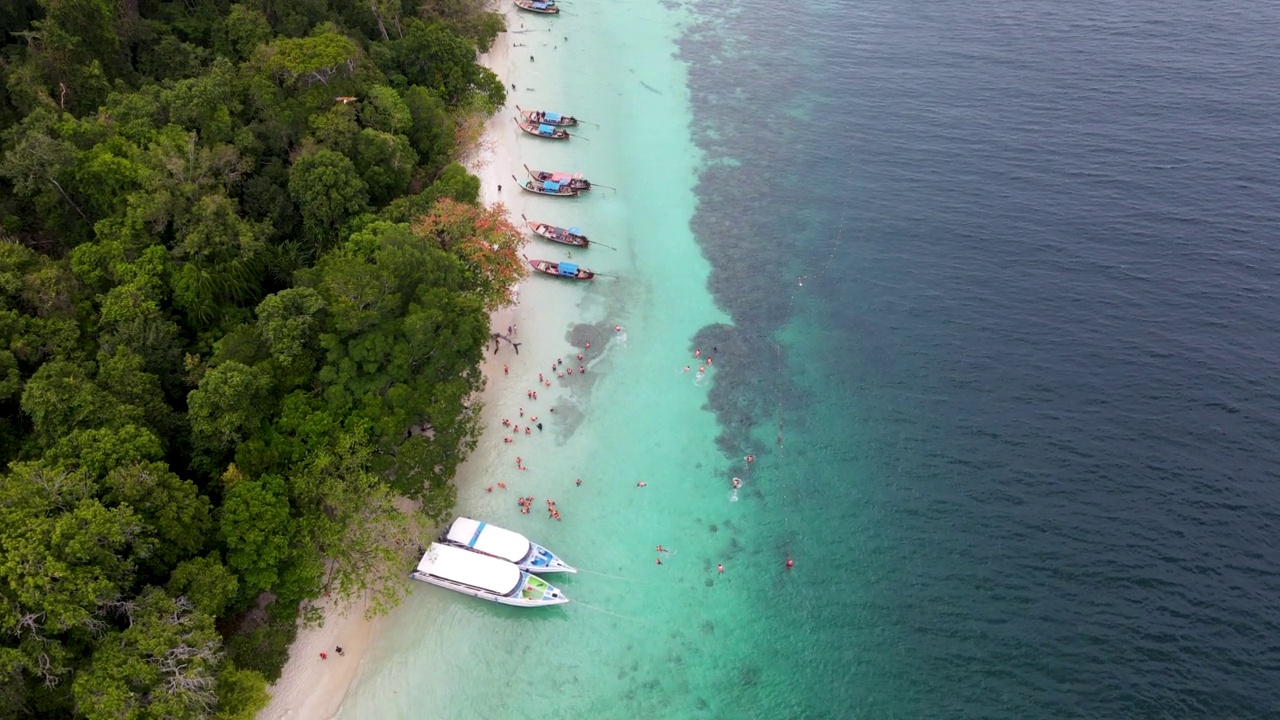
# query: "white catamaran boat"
511,546
485,577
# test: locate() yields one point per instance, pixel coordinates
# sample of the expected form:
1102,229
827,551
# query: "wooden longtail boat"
564,236
547,132
565,270
549,187
546,117
543,7
573,180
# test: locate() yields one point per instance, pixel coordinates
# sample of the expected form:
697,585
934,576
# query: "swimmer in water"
642,484
737,483
661,549
720,567
578,482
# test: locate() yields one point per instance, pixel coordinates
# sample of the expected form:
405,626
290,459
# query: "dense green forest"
244,296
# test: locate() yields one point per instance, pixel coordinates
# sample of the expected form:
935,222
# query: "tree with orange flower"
486,242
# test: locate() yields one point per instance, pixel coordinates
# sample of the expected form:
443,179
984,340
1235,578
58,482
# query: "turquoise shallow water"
639,639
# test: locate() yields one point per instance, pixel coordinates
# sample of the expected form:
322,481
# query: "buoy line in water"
609,612
617,577
791,304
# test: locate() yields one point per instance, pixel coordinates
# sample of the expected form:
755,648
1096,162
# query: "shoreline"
310,688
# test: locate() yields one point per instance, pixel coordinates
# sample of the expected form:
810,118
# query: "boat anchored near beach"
551,188
564,270
538,6
542,130
571,180
546,117
481,537
485,577
564,236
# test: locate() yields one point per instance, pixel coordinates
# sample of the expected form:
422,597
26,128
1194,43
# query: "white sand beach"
312,688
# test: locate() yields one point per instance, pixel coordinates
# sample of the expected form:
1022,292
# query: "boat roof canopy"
489,539
552,185
546,130
575,230
568,269
553,117
473,569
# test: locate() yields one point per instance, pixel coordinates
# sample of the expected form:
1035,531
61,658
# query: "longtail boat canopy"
546,130
568,269
553,117
552,185
575,230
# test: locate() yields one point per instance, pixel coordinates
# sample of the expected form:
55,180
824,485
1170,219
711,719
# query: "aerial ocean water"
992,289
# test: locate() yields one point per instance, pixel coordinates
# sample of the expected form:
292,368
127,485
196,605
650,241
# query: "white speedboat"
511,546
485,577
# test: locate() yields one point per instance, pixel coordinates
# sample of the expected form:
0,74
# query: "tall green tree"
385,162
227,407
163,666
66,562
329,191
175,512
256,527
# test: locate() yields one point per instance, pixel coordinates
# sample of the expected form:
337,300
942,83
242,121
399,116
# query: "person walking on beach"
338,650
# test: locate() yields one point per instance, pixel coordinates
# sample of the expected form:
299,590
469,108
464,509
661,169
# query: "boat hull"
533,130
529,7
558,234
532,116
542,560
546,594
547,267
536,188
572,180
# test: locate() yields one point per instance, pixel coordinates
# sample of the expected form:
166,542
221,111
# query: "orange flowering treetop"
484,239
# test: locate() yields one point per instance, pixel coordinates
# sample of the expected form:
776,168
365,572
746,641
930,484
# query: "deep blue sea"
1004,281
